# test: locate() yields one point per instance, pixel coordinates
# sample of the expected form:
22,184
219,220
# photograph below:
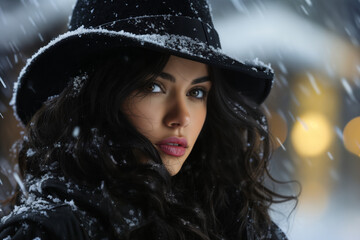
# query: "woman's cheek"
148,115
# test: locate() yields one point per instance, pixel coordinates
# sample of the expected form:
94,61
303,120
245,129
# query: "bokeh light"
317,70
351,136
311,134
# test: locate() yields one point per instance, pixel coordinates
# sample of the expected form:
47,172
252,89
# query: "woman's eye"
154,88
197,93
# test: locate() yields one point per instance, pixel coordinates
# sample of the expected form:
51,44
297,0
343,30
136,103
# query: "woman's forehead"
185,67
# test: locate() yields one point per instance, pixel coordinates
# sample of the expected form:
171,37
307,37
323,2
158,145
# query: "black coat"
57,209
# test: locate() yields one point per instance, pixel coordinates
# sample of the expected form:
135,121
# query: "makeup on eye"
196,92
154,88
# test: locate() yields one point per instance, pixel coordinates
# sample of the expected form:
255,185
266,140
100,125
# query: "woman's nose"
177,115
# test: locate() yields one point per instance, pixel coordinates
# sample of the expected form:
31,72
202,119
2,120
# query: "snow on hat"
179,27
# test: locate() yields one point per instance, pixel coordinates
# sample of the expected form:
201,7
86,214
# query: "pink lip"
172,150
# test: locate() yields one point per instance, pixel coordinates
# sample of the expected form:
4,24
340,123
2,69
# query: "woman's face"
173,110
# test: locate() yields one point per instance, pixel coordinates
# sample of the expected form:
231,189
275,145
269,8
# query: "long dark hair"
219,192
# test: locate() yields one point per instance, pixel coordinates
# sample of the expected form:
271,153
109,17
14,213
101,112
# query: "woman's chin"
173,170
173,166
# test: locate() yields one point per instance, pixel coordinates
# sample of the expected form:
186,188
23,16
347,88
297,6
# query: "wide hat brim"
47,73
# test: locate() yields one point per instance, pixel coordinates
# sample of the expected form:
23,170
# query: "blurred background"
313,110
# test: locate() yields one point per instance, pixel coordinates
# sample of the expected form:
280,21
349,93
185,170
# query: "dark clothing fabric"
58,222
57,209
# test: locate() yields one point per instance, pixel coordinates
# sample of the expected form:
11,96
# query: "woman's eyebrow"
200,80
171,78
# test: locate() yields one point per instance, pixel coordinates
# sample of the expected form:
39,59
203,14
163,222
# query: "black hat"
179,27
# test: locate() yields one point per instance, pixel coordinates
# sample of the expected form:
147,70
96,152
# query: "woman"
139,127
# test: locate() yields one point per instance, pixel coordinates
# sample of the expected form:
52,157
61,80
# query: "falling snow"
291,52
2,82
304,10
330,155
348,89
76,132
313,83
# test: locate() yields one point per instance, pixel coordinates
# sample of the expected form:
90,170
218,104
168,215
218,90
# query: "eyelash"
203,90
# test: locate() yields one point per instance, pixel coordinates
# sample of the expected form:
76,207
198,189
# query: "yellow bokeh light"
311,134
351,136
